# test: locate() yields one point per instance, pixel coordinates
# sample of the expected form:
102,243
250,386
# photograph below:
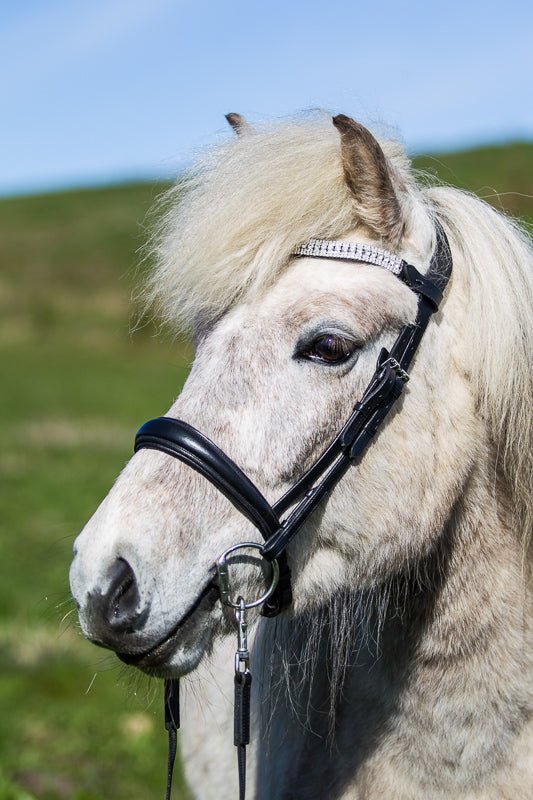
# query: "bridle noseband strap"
180,440
176,438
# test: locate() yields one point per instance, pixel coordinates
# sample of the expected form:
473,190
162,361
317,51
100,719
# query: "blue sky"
113,89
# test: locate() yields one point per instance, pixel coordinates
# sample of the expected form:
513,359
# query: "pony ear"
368,177
239,124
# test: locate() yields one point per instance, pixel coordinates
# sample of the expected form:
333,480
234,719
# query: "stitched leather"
178,439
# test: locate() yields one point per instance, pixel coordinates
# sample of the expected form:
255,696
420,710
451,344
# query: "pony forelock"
230,224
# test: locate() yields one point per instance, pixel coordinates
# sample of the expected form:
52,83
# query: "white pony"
403,669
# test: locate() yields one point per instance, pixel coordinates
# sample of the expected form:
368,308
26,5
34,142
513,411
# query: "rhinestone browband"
331,248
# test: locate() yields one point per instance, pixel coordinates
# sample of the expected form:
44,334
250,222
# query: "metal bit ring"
224,582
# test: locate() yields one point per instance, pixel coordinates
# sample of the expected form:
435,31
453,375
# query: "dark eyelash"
328,348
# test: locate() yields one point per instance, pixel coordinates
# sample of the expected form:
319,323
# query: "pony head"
284,348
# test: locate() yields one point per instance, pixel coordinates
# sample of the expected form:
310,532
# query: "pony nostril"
123,598
118,611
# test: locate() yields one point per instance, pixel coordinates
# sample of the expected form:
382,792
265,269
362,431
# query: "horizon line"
110,179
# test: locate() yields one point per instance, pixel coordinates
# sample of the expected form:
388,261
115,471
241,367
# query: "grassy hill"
502,175
75,385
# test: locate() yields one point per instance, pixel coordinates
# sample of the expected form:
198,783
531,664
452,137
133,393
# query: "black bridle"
180,440
184,442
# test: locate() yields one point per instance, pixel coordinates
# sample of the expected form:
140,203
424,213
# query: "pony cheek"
323,567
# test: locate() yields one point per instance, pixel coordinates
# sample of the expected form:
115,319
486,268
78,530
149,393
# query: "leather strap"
241,725
172,723
178,439
369,414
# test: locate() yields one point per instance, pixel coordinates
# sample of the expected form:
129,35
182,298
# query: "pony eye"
329,348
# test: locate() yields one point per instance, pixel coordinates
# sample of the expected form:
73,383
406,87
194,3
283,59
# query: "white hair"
232,222
495,257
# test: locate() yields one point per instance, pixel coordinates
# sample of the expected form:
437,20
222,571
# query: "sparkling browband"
331,248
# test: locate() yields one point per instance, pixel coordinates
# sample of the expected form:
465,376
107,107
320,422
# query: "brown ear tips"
349,126
233,118
237,122
342,121
368,177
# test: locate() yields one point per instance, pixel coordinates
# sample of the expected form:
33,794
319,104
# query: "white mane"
495,259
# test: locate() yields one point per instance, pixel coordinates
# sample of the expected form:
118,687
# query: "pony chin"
186,657
183,649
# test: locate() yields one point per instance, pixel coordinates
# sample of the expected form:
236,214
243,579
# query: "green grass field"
76,383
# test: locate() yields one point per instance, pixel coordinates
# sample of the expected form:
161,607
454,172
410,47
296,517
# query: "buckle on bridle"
398,369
